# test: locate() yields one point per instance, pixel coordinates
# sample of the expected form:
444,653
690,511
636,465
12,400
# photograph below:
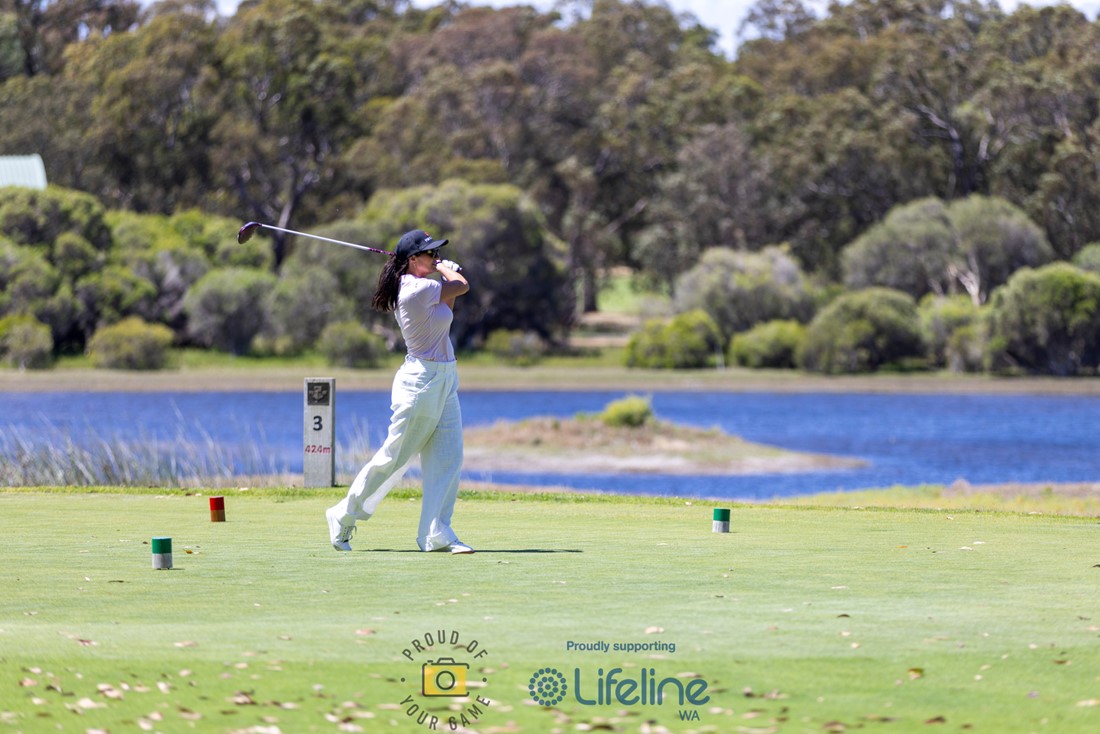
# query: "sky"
723,16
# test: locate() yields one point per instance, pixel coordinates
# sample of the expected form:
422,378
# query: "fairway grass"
801,619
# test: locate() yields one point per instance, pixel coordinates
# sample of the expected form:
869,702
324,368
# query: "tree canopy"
637,140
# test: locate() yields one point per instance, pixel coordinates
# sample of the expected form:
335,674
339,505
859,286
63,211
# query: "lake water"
905,439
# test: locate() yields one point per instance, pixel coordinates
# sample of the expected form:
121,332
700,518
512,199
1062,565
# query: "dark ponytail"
389,284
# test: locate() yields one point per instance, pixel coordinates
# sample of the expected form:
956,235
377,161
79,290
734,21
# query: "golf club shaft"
326,239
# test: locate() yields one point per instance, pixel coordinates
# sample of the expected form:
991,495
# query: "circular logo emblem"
547,687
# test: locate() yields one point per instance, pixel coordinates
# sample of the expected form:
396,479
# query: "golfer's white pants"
426,421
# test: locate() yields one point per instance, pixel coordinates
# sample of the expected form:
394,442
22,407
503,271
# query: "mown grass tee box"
798,619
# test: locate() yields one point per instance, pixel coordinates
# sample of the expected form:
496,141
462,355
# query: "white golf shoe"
458,547
339,534
455,548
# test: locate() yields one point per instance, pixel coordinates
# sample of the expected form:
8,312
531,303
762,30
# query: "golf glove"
451,265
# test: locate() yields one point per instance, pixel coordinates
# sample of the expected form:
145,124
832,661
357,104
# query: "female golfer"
426,417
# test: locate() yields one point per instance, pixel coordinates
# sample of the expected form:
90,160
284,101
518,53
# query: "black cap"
416,241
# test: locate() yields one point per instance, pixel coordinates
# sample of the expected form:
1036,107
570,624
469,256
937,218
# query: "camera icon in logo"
444,677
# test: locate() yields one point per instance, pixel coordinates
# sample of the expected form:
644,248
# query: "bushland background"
883,186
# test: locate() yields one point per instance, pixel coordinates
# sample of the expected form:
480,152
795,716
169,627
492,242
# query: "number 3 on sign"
318,424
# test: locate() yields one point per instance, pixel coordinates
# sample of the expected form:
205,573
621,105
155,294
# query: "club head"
245,233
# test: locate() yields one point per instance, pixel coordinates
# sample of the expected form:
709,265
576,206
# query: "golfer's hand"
450,265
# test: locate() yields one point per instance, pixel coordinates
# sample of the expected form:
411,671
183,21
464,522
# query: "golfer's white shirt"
424,320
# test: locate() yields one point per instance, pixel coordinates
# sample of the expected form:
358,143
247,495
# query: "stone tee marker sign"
319,464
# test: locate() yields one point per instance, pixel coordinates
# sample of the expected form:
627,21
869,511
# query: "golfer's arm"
454,285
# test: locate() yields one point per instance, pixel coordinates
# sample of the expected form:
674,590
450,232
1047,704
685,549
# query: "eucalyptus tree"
45,28
718,194
656,85
286,89
148,129
842,150
1043,102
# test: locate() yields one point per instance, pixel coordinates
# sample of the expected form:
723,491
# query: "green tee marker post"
721,521
162,554
319,464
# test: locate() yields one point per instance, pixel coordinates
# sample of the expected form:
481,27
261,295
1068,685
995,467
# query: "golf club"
245,234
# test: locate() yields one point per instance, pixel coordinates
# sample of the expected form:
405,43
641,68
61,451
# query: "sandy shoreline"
480,377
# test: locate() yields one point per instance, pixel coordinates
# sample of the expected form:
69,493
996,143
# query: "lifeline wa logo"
549,687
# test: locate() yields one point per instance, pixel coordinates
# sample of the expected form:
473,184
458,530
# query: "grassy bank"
800,619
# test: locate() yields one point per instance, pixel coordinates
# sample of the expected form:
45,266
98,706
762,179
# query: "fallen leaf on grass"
189,715
242,698
937,720
108,691
915,673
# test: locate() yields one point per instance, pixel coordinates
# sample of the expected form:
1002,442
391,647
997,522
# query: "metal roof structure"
22,170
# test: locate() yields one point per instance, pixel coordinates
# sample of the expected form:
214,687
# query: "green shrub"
742,289
930,246
774,344
966,348
953,332
350,344
37,217
131,344
224,308
521,348
1046,321
687,341
1088,258
25,342
114,292
632,411
299,307
864,331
